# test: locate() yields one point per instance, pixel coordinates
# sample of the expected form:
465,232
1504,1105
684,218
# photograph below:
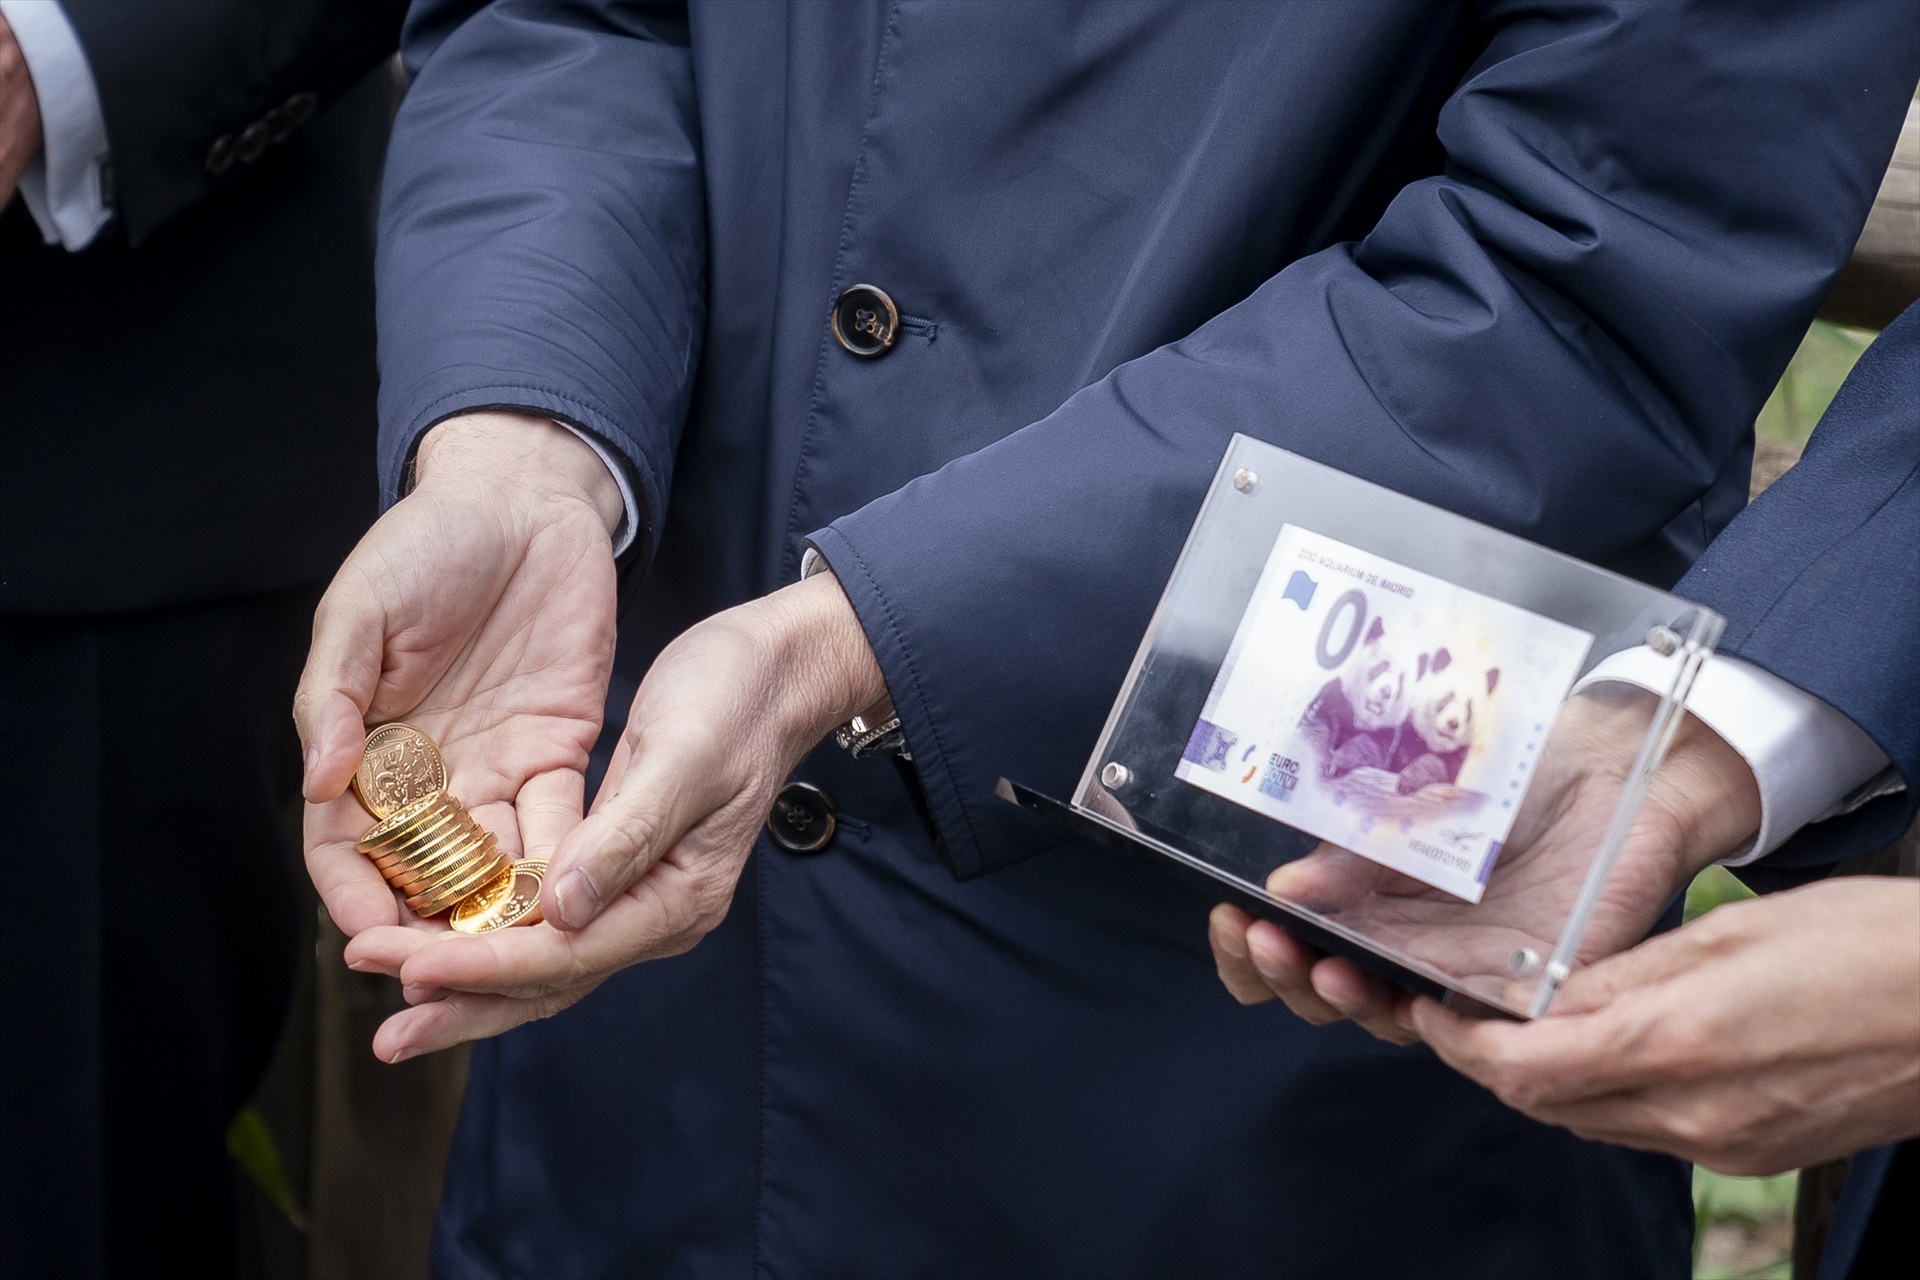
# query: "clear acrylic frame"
1568,859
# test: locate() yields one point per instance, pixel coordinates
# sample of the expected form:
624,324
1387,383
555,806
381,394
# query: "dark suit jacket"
186,408
1528,261
1820,583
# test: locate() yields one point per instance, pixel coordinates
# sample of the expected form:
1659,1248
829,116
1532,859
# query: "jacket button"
220,155
253,141
865,321
802,818
299,108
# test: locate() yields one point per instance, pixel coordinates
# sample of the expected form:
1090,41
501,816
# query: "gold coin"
416,844
398,766
414,878
493,891
433,848
427,856
448,891
512,899
479,858
440,900
398,820
447,860
475,874
431,830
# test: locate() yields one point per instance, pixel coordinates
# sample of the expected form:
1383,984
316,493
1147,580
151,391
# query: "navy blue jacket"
1820,584
1534,262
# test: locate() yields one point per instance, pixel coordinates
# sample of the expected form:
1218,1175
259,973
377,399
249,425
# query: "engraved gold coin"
400,819
476,861
409,845
417,879
414,844
398,766
512,899
424,842
439,900
487,862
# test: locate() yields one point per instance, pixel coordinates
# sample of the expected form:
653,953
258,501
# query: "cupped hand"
723,715
1703,802
1765,1036
480,609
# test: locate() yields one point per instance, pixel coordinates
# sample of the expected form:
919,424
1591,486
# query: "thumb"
336,687
1654,960
668,788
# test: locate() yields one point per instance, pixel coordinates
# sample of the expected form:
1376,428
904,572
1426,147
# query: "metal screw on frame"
1115,775
1663,641
1523,961
1244,480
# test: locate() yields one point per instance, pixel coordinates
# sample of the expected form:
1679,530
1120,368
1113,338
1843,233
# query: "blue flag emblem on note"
1300,589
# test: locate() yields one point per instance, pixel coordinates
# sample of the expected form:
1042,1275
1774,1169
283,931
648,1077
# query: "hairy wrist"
819,657
1709,791
522,451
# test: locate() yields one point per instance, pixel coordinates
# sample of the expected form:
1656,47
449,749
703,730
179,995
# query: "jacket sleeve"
194,92
1817,581
542,230
1566,333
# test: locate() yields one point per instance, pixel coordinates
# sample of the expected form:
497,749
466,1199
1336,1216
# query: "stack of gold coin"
426,843
510,901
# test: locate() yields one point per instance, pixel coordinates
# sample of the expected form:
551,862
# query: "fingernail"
399,1056
313,758
575,900
358,966
1231,942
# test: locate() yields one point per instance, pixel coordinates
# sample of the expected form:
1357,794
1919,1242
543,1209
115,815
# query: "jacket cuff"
641,489
940,800
65,185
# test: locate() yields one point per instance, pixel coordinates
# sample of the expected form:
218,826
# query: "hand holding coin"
426,844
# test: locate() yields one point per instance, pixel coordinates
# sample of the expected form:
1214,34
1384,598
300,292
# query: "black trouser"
1891,1245
146,766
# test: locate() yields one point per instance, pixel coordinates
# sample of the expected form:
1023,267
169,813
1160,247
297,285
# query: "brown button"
253,141
220,155
300,108
802,818
865,321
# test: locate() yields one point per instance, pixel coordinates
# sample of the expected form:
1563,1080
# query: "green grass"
1826,355
252,1147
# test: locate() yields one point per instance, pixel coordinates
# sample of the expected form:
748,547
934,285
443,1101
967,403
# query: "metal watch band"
864,740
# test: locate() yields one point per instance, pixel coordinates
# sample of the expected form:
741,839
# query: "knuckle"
635,833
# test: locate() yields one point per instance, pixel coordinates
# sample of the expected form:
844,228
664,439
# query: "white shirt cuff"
65,185
1810,761
630,522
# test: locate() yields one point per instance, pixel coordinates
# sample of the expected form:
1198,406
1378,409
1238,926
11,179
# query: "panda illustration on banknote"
1382,709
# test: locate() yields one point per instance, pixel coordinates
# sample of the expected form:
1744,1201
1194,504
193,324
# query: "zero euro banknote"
1383,710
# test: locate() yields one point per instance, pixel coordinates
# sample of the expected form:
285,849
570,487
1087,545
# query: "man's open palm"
480,609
